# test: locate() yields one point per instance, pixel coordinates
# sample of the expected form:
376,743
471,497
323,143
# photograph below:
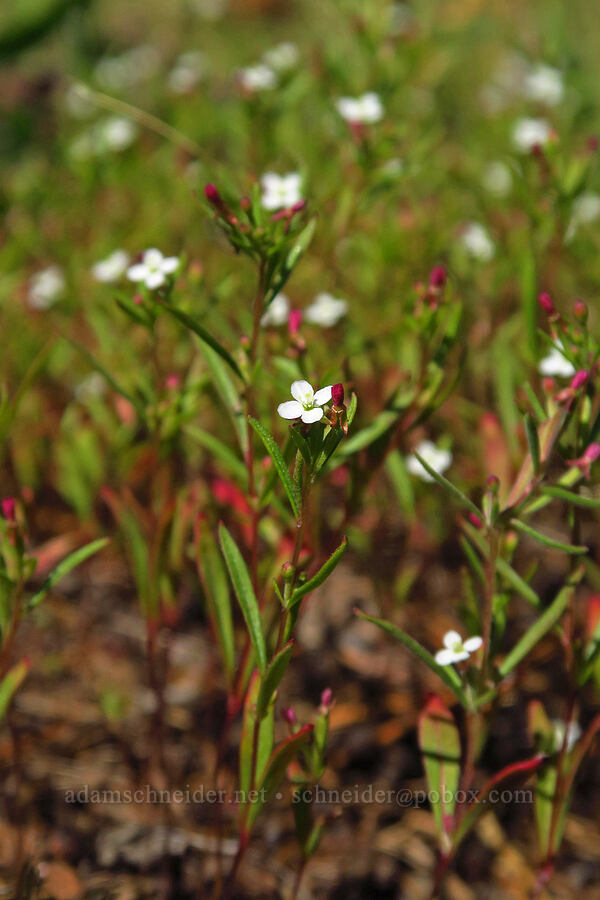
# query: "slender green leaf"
10,684
533,442
245,595
264,738
279,463
220,451
65,566
559,493
274,773
272,678
193,325
318,579
451,488
216,590
439,741
536,632
449,676
228,394
545,540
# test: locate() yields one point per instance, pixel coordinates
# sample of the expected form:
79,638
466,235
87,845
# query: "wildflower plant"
561,432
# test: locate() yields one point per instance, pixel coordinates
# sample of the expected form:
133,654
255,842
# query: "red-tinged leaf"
274,771
547,435
439,741
479,806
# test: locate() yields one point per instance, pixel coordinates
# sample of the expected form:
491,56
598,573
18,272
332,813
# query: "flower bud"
592,453
337,395
580,311
579,379
214,197
288,715
327,698
546,303
9,509
493,484
438,277
295,321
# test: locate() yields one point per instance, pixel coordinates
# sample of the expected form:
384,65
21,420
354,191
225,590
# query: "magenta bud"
295,321
579,379
337,395
172,381
213,196
438,276
493,483
327,698
580,310
9,508
592,453
549,385
288,715
546,303
245,203
137,299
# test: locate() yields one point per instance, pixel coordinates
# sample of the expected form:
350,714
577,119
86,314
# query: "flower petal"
451,639
302,391
170,264
444,657
154,280
323,395
472,644
291,409
138,272
312,415
153,257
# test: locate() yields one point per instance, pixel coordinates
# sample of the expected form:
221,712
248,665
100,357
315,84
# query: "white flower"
438,459
558,733
257,78
277,312
365,110
544,84
45,287
115,133
112,268
306,404
187,72
477,241
282,56
326,310
555,364
153,269
497,178
128,69
280,190
586,208
527,133
455,649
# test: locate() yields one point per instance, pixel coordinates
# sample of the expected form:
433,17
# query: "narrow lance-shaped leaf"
545,540
220,451
216,590
439,741
533,442
245,595
65,566
193,325
274,773
264,743
10,684
228,394
449,676
443,482
279,463
318,579
272,678
560,493
537,631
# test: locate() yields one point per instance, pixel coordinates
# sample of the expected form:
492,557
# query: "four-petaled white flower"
528,133
364,110
438,459
325,310
45,287
153,269
112,268
278,311
280,191
544,84
455,649
477,241
306,404
257,78
556,365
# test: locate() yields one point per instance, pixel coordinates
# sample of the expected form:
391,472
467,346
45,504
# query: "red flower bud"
288,715
579,379
327,698
9,508
580,310
592,453
546,303
295,320
437,277
213,196
337,395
